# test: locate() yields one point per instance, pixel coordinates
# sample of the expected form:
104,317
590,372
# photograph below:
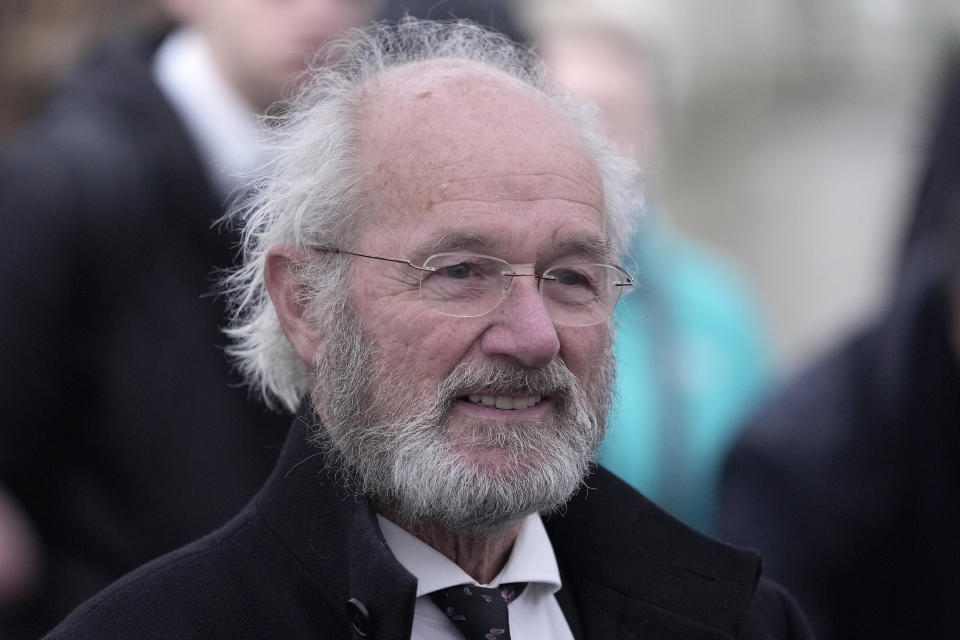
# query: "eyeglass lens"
469,285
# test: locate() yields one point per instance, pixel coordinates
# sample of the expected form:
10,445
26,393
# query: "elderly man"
430,272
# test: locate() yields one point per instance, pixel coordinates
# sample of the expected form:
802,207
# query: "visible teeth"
504,402
528,401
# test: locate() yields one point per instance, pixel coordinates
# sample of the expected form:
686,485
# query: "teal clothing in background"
692,359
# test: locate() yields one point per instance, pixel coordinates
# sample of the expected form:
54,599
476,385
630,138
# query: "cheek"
410,337
421,347
583,349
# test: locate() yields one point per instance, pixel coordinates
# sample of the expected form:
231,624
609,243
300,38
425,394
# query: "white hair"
311,193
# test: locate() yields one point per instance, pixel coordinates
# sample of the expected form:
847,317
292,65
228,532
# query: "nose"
521,327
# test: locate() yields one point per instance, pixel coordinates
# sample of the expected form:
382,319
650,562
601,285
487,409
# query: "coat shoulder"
775,614
182,587
236,583
617,546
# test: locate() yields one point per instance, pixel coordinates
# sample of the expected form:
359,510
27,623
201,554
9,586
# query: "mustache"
504,376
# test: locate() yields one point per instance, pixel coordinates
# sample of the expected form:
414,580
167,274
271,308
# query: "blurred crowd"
126,433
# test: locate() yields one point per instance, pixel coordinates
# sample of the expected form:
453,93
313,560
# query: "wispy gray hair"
312,192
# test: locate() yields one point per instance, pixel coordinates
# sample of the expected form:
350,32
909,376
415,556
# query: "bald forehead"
449,77
458,127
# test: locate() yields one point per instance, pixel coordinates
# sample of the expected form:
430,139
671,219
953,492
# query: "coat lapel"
334,535
635,571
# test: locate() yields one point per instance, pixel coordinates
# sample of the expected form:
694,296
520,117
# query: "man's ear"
286,293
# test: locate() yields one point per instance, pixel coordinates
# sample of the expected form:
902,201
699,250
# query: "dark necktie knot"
480,613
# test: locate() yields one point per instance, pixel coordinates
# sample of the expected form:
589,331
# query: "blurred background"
791,130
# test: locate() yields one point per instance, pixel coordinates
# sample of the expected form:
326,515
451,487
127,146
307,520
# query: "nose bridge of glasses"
511,275
523,305
525,271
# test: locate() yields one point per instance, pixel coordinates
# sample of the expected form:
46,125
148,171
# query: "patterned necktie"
480,613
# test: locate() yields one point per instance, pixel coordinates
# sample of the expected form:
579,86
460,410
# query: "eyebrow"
455,241
598,246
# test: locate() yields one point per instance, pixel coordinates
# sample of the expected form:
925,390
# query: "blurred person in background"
849,481
693,356
125,434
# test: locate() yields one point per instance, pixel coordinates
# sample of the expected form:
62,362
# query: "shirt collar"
223,125
531,560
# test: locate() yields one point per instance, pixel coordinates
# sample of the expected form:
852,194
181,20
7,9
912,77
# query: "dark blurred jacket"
124,434
849,481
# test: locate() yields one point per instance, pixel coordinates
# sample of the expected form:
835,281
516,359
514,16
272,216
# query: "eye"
459,271
464,266
570,277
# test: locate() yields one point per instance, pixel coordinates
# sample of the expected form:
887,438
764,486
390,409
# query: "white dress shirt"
225,128
534,615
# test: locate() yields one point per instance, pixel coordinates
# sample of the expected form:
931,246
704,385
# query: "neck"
481,557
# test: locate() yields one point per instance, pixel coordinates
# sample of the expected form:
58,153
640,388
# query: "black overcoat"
306,559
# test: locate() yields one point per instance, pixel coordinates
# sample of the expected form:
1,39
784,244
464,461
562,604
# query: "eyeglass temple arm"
365,255
629,282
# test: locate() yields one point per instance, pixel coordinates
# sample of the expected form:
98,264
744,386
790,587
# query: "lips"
503,402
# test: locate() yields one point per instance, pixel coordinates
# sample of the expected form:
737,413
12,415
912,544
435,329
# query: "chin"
498,462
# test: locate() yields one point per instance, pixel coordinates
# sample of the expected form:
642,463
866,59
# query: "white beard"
395,448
